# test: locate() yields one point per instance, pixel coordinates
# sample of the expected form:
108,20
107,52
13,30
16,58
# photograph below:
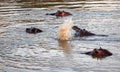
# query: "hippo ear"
27,29
58,11
32,27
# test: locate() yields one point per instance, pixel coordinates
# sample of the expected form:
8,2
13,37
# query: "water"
43,52
64,32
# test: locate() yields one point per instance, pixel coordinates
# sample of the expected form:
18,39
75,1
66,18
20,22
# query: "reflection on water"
23,52
65,46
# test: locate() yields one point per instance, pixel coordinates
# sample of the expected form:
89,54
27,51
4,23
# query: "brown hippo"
33,30
60,14
99,53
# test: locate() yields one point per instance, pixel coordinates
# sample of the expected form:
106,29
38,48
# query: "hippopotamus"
60,14
81,32
33,30
99,53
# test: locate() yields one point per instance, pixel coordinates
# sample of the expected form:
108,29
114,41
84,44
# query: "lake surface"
42,52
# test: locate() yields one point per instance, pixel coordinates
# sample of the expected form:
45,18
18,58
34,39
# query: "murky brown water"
42,52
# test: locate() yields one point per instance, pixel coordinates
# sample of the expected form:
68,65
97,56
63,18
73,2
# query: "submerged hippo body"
60,14
33,30
99,53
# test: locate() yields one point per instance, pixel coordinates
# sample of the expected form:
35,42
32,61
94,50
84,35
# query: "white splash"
64,32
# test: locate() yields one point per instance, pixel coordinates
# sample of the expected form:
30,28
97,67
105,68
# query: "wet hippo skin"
99,53
33,30
60,14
